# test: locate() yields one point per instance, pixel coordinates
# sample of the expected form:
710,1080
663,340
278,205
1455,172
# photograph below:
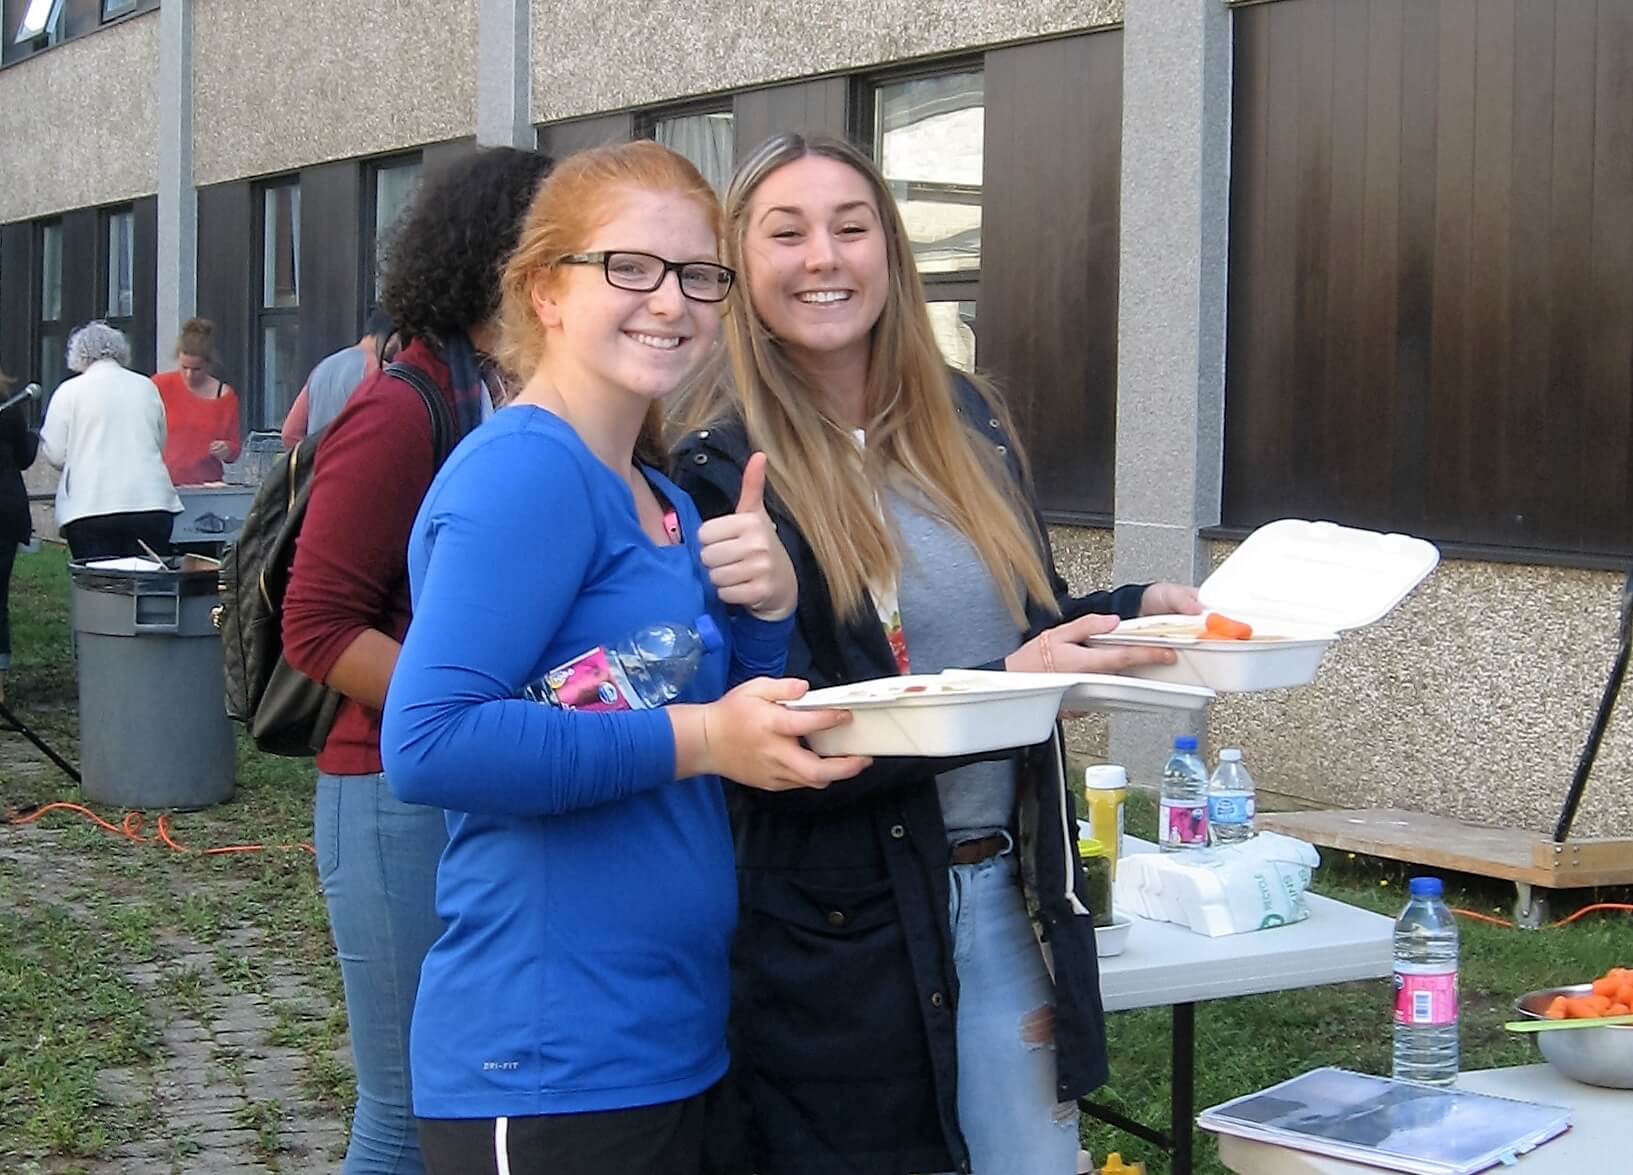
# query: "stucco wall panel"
281,86
100,98
1471,700
589,57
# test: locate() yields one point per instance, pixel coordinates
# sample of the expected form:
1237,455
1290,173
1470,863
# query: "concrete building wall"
81,123
281,86
585,58
1470,700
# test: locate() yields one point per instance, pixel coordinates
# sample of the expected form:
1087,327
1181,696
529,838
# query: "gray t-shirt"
330,385
954,617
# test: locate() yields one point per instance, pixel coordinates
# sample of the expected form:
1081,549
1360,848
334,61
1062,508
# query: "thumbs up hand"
746,561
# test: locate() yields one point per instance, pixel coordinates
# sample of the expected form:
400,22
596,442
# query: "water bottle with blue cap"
646,669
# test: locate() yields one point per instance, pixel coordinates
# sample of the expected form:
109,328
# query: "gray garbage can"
153,726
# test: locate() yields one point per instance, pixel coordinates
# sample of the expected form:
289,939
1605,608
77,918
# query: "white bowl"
1227,666
1110,940
933,715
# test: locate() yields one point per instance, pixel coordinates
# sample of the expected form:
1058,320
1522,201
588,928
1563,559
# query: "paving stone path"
221,1097
228,1100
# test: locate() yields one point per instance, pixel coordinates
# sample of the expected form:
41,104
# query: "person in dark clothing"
915,982
18,446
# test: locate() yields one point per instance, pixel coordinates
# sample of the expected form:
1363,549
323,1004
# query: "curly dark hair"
442,266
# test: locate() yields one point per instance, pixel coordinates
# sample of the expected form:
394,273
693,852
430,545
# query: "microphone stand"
31,392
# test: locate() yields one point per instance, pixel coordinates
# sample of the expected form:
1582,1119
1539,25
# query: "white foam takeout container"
967,712
1307,582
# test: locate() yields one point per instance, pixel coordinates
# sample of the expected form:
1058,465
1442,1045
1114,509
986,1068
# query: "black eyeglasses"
641,273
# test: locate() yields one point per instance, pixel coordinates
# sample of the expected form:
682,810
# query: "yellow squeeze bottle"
1105,789
1116,1166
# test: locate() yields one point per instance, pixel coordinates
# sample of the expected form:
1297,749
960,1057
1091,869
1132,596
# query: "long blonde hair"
576,199
912,425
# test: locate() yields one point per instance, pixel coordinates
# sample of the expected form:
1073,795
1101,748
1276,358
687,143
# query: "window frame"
42,328
265,316
112,10
646,121
963,285
105,262
49,32
368,282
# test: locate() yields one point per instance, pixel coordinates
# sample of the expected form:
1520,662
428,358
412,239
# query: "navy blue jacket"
843,1018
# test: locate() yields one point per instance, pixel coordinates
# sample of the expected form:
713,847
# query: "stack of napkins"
1227,889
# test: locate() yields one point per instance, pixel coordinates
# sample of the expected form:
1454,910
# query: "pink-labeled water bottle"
1182,820
1426,1020
646,669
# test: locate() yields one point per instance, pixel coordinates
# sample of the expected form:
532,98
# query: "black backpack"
287,713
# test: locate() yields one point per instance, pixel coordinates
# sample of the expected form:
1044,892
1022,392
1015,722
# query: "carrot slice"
1222,627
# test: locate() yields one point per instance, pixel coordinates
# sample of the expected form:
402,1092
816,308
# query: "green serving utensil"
1560,1025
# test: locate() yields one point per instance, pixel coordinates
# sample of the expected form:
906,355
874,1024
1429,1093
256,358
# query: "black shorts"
670,1138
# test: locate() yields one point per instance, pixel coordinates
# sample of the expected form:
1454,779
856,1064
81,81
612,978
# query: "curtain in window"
705,139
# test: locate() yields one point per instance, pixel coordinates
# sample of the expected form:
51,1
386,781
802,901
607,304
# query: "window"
113,8
119,262
41,18
705,138
394,184
277,342
929,140
50,337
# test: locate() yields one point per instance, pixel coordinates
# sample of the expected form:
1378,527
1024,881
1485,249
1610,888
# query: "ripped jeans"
1007,1109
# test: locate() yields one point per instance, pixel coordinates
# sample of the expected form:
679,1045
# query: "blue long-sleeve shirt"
588,896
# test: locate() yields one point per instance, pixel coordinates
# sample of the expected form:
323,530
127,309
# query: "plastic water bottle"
1426,988
1231,801
646,669
1182,823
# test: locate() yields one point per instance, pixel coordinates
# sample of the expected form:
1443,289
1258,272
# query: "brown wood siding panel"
1431,310
80,230
561,139
1048,299
226,274
819,106
145,282
1607,436
17,300
331,259
1488,422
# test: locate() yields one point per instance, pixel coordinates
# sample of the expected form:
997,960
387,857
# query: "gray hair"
97,340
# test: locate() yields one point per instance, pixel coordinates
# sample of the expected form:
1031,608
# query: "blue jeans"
1007,1109
377,863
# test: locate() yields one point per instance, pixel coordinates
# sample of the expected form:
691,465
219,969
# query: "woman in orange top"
201,412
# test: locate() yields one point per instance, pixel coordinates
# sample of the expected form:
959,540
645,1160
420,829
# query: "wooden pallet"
1531,860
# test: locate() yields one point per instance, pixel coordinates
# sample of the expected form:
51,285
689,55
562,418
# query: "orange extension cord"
1478,917
131,828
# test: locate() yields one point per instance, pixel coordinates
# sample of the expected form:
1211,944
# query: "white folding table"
1167,964
1599,1142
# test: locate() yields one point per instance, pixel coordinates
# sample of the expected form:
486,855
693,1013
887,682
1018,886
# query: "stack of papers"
1396,1125
1227,889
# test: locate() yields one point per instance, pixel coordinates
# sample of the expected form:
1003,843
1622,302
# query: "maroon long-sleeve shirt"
350,572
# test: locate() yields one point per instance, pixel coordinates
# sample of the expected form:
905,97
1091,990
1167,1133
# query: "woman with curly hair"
347,608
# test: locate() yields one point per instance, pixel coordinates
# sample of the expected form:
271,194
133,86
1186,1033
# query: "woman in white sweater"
105,430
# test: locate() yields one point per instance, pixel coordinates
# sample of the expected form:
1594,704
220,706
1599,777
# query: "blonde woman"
894,1010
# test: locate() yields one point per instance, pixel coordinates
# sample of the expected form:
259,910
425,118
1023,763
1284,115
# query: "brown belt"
970,852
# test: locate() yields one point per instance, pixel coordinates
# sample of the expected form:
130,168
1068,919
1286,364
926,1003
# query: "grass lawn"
69,1007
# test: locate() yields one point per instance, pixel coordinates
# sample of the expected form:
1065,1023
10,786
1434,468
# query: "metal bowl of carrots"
1593,1056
